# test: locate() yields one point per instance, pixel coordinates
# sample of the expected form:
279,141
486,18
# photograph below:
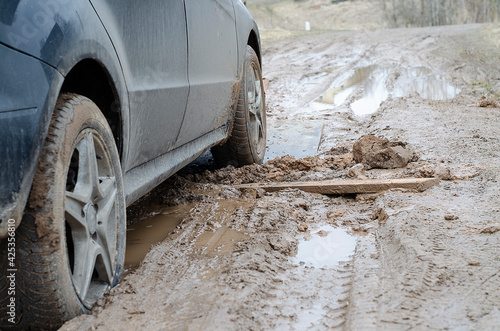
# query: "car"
101,101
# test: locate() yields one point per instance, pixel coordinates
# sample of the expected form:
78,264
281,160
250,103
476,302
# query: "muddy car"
100,101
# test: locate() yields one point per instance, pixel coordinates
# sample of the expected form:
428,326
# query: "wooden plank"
355,186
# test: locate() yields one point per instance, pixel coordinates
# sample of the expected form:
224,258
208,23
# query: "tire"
71,241
247,141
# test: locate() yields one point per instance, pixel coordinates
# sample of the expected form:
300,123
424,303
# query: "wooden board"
349,186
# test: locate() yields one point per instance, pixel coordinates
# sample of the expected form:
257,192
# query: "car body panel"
36,27
147,176
23,117
213,66
246,31
154,63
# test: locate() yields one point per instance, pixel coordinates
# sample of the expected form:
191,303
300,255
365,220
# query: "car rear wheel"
71,242
247,140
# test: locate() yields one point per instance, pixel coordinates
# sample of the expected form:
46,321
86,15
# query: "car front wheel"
71,241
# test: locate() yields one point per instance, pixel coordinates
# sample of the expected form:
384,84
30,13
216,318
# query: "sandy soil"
421,260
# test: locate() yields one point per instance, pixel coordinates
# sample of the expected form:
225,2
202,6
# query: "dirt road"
239,259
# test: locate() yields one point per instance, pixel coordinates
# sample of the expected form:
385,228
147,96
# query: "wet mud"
150,231
239,259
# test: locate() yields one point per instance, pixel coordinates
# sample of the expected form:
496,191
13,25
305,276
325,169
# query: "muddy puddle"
296,138
215,238
141,236
219,242
218,237
378,83
325,248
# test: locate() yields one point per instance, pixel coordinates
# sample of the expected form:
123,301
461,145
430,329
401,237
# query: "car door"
212,66
150,39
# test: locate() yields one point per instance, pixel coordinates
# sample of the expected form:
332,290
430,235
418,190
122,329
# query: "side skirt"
144,178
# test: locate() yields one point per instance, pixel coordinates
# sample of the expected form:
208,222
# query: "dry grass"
286,19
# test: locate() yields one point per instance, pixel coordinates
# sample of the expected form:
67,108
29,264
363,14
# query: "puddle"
297,138
425,83
141,236
221,239
219,242
379,83
326,249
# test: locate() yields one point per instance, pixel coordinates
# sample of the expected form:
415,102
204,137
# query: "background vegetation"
279,19
408,13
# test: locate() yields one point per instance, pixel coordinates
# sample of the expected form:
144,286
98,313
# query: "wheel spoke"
255,108
258,102
251,91
253,111
88,175
260,131
104,267
85,254
257,129
107,187
91,256
107,222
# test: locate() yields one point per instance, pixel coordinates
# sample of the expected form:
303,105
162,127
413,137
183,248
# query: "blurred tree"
407,13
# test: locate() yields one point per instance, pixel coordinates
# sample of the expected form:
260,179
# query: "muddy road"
236,259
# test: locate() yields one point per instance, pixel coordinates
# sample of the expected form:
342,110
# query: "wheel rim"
256,109
91,205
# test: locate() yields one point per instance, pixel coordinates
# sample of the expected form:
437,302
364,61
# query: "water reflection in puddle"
327,247
425,83
293,137
379,83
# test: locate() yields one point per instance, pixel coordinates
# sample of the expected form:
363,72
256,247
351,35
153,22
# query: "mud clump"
280,169
491,228
488,103
375,152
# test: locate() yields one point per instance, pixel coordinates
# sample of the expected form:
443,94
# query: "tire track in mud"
363,307
411,265
310,298
279,294
200,282
425,253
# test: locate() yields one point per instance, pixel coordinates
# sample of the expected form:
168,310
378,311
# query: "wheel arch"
247,32
254,42
91,79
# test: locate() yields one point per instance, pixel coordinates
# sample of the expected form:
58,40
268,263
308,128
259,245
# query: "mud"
152,230
375,152
422,260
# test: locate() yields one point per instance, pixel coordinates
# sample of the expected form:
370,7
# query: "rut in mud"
420,260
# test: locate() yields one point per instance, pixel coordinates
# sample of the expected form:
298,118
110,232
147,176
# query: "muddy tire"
71,241
247,140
